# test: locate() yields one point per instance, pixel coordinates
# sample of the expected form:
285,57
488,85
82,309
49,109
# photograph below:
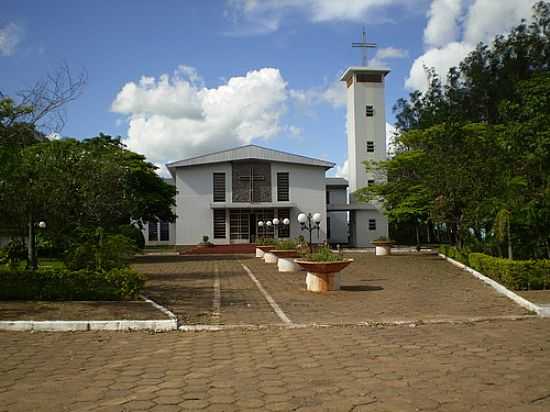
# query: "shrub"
115,251
323,254
15,252
513,274
116,284
132,232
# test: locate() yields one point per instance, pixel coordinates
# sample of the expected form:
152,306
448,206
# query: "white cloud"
265,16
443,22
173,117
10,36
333,93
391,134
386,53
342,170
446,47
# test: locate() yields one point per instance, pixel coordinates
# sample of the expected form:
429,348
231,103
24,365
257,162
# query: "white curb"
542,311
86,325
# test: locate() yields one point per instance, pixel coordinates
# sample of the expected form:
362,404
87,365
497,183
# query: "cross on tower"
364,45
251,178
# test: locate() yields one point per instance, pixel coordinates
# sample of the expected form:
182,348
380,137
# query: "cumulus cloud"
10,36
454,30
175,116
386,53
333,93
342,170
265,16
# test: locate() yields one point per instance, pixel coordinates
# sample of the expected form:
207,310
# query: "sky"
177,79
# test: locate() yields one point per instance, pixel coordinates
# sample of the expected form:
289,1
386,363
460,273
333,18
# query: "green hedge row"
50,284
513,274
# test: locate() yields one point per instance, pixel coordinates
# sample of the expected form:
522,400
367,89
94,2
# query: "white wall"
362,236
194,198
338,220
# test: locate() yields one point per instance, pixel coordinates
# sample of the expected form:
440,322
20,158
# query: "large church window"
251,182
282,187
219,187
219,224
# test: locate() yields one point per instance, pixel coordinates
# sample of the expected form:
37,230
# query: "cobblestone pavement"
487,366
393,288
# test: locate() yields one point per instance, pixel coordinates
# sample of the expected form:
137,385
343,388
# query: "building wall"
194,198
361,235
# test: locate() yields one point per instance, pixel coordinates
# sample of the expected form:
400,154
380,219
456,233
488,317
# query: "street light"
42,225
310,223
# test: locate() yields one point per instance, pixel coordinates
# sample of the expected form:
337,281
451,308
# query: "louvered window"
164,231
369,78
153,232
283,230
219,187
370,146
219,224
282,187
372,224
370,111
370,182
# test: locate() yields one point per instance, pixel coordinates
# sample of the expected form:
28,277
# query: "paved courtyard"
457,365
379,289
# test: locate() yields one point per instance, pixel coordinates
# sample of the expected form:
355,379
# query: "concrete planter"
383,247
323,276
259,252
270,257
261,249
285,260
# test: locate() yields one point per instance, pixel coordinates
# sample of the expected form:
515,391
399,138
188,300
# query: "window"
282,229
282,187
164,231
370,146
372,224
153,232
370,111
239,220
219,187
370,182
328,197
369,78
328,228
219,223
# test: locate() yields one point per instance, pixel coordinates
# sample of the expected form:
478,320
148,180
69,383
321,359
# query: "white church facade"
223,195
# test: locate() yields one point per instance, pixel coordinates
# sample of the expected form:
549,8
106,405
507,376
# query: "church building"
225,195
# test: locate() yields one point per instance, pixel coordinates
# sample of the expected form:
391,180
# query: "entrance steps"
234,249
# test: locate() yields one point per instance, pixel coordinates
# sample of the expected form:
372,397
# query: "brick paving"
483,366
493,366
394,288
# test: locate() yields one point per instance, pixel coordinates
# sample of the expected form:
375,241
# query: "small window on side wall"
282,187
219,223
372,224
218,187
370,146
370,110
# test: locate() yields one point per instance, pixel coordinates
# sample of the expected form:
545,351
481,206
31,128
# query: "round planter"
285,260
323,276
270,257
382,248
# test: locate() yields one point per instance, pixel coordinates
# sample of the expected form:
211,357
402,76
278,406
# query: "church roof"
363,69
250,152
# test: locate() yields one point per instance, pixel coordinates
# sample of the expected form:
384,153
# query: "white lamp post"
310,223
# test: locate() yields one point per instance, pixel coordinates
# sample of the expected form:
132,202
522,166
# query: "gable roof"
336,181
249,152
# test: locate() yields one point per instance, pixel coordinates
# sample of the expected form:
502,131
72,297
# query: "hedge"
513,274
55,284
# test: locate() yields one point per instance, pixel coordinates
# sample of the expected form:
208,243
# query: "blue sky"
235,71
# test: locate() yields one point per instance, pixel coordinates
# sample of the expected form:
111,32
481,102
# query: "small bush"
132,232
286,245
116,284
15,253
455,253
114,252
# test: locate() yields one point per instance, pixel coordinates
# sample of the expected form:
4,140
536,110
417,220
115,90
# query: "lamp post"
310,222
32,242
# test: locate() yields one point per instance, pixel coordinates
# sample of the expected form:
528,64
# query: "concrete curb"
542,311
161,325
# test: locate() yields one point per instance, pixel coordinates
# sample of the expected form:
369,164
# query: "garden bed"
79,310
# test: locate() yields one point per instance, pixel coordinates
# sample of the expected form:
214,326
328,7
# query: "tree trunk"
32,246
428,233
510,255
417,236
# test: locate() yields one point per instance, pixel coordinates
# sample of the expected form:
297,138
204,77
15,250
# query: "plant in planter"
206,241
264,245
383,246
323,269
286,253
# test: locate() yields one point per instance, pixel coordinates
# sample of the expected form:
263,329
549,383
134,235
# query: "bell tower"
366,136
